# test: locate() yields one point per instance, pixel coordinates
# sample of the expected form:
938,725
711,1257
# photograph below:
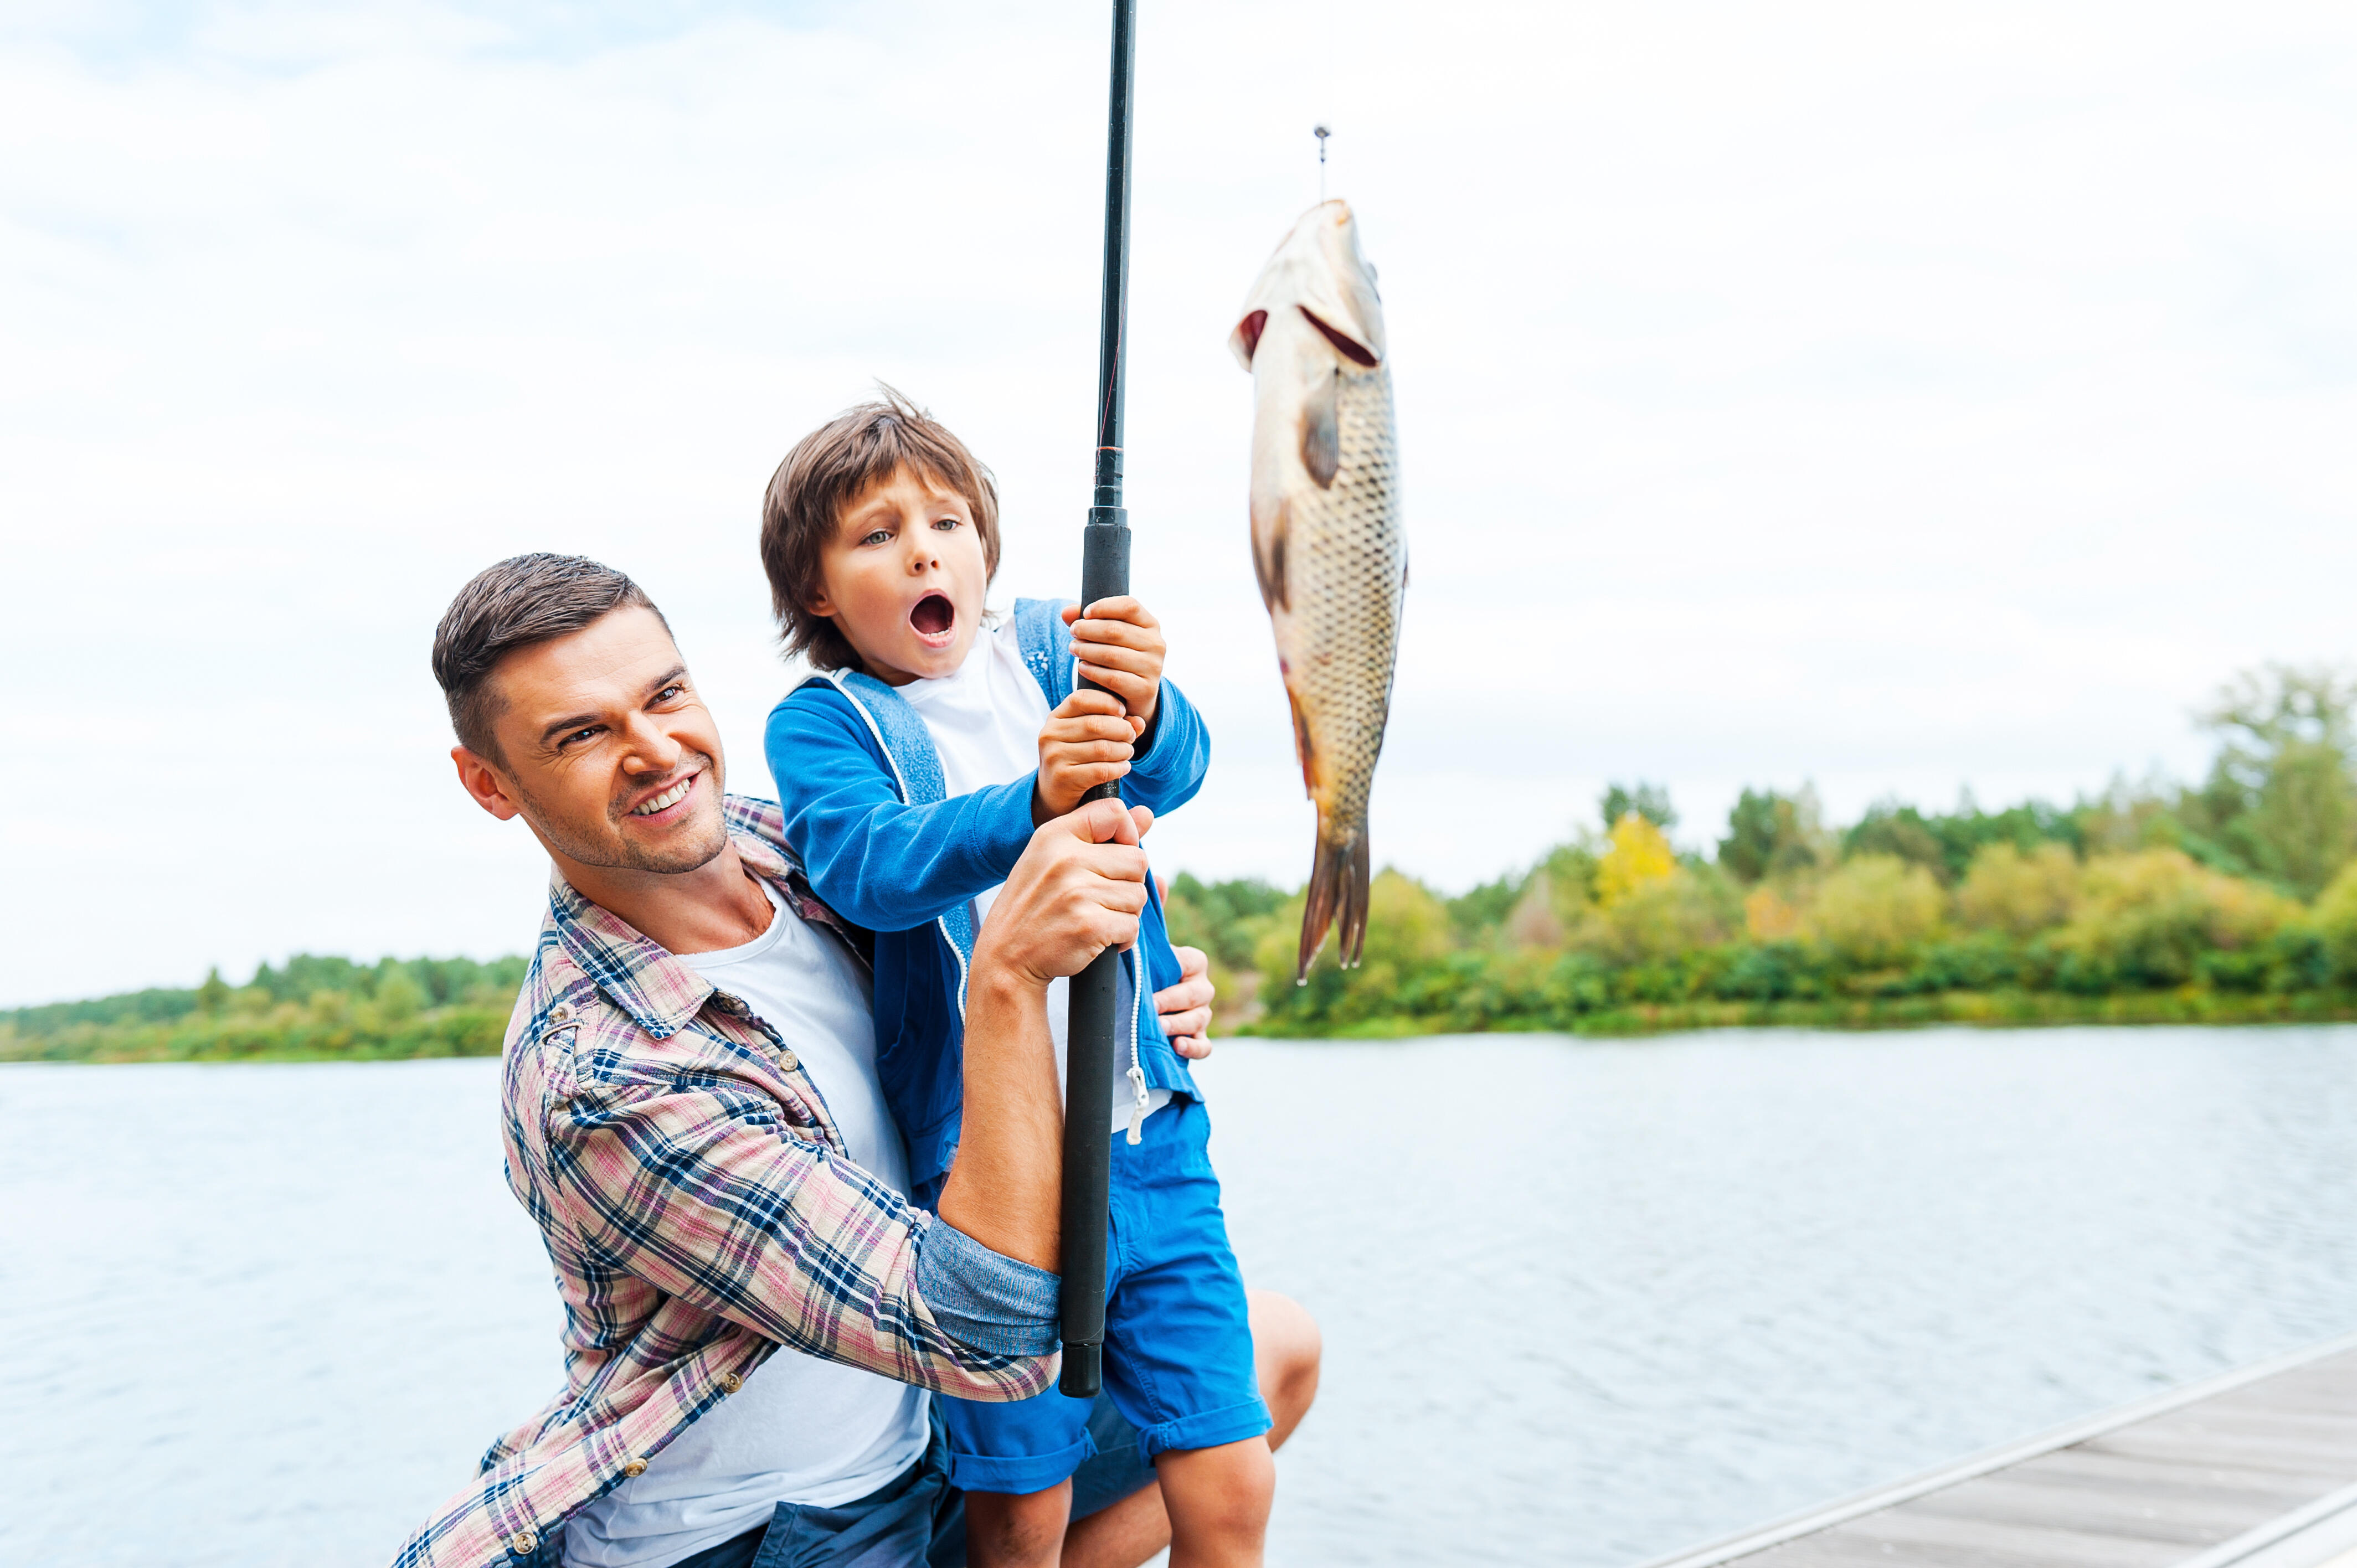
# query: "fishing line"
1321,133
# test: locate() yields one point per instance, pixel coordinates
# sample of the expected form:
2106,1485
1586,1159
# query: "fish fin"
1353,916
1268,559
1350,348
1321,432
1244,341
1337,893
1302,745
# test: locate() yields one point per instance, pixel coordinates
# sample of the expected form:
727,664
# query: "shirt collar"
659,992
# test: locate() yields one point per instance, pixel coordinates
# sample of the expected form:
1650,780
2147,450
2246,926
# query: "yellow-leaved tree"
1639,854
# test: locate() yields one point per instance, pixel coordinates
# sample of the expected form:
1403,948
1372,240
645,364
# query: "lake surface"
1584,1303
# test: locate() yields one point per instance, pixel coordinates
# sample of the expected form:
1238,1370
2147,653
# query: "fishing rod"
1105,574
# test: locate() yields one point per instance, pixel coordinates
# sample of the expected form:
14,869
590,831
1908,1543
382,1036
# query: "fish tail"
1337,893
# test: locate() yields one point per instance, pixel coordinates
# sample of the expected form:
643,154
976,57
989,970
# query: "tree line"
2234,897
308,1009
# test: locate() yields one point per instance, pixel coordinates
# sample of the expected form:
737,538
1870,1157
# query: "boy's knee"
1223,1491
1008,1530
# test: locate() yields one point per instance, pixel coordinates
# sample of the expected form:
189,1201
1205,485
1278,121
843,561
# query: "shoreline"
1985,1009
457,1032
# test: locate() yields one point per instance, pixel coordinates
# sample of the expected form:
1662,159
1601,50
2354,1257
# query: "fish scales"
1329,547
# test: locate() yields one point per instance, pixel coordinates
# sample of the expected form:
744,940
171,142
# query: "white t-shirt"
985,721
801,1430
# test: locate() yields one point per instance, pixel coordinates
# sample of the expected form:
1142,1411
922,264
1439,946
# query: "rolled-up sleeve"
985,1299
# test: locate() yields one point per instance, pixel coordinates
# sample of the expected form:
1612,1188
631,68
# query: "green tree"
213,994
1650,801
399,998
1769,834
2280,797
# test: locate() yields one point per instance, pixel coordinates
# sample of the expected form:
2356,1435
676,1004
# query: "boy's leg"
1285,1352
1015,1464
1218,1499
1179,1344
1006,1529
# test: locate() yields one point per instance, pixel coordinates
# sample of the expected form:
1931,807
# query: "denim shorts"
915,1521
1178,1349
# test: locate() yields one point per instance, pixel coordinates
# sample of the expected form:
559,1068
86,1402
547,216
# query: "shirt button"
788,1060
557,1014
730,1383
522,1542
635,1469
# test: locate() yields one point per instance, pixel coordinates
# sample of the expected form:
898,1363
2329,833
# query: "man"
693,1119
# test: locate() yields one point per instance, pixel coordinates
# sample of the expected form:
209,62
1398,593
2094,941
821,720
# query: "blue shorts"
1178,1349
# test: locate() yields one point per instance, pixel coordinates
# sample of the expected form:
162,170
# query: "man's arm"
1078,889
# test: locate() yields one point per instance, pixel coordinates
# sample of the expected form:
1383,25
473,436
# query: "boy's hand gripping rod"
1105,573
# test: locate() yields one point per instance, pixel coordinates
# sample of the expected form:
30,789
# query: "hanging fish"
1328,543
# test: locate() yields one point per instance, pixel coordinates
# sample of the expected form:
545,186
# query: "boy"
912,771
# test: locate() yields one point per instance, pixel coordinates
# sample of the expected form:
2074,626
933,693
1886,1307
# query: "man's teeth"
671,797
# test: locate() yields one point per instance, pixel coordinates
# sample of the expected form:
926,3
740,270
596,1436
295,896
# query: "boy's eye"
946,523
881,536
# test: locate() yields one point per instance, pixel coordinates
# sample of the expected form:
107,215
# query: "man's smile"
657,804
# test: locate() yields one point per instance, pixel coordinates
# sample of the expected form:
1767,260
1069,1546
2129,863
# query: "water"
1584,1303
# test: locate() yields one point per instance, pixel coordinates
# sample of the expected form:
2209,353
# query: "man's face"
606,749
903,578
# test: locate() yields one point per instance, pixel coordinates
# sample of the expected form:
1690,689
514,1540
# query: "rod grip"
1089,1048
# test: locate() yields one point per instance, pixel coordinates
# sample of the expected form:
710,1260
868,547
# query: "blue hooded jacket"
866,809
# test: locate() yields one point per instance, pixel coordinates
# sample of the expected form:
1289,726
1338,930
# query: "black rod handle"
1089,1040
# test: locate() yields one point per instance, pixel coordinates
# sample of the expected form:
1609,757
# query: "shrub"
1875,909
2007,890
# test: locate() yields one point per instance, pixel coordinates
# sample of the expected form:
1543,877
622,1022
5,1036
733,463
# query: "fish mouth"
932,617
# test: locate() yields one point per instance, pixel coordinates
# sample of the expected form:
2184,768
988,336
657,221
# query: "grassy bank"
2007,1009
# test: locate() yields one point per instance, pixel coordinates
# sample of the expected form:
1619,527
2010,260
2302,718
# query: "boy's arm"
887,866
1173,754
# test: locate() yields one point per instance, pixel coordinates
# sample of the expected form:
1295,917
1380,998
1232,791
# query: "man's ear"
483,784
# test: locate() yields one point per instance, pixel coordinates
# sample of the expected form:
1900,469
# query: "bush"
1875,909
2017,894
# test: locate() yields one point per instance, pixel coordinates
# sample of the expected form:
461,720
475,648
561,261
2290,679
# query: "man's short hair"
522,600
829,469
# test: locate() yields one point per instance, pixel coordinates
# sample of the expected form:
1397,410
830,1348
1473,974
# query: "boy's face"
903,579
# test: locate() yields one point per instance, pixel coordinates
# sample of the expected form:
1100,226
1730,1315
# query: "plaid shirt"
701,1210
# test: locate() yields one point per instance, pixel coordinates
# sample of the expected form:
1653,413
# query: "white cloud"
1901,399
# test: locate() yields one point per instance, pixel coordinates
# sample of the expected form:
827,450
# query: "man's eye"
578,734
668,692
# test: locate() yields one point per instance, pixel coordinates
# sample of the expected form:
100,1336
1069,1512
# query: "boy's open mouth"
933,615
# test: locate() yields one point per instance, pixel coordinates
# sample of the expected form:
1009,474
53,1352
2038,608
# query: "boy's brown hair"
829,469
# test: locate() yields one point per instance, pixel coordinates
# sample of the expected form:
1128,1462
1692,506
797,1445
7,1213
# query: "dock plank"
2198,1475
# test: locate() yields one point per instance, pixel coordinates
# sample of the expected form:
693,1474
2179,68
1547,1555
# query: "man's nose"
653,749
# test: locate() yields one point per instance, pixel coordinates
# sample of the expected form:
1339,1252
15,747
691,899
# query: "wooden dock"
2255,1469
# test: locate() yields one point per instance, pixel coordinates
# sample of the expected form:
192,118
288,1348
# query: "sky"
1902,400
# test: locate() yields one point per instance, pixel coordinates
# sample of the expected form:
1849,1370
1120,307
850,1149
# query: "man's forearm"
1005,1186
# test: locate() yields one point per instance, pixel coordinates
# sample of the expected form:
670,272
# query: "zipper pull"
1137,1106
